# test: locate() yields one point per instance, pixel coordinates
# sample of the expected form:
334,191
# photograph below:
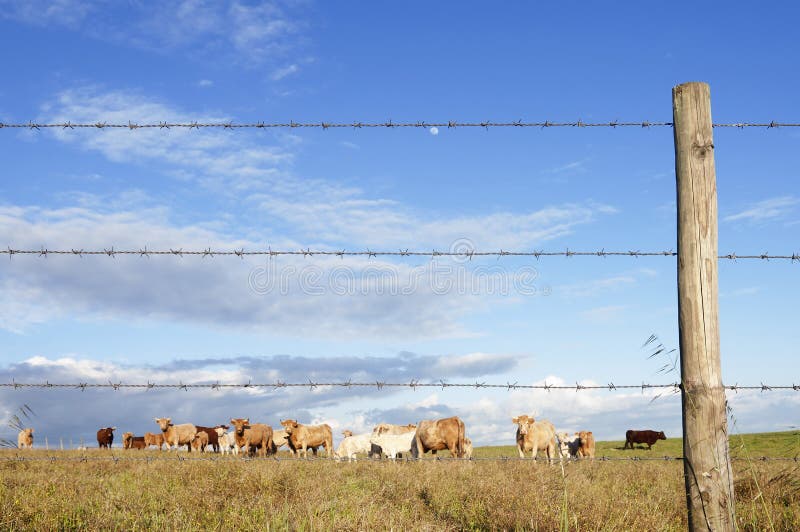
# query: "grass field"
448,495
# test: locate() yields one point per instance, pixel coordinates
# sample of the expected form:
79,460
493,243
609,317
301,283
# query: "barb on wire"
380,385
308,252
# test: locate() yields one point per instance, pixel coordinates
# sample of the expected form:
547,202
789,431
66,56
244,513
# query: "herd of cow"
385,439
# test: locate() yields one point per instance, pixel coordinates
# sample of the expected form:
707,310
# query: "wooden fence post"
706,464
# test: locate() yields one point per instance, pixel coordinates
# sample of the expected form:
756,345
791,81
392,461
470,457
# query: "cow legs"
521,452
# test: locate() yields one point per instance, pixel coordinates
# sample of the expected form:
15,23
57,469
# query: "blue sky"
200,320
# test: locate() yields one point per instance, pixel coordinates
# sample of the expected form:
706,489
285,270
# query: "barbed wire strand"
308,252
413,384
389,124
236,459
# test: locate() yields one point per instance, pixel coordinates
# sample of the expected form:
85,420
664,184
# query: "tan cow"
176,435
153,439
586,450
535,436
467,448
129,441
347,433
200,441
249,435
301,437
279,440
25,439
436,435
388,428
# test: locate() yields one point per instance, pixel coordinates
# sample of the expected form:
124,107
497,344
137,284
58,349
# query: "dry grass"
264,494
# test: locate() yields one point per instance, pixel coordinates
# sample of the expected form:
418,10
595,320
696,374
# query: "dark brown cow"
649,437
105,437
437,435
213,437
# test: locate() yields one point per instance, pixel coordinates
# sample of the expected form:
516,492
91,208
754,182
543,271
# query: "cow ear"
31,431
515,420
113,428
247,421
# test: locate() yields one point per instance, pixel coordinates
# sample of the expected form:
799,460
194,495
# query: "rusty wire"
379,385
389,124
308,252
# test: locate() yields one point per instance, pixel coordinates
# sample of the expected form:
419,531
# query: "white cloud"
249,33
281,73
205,83
766,210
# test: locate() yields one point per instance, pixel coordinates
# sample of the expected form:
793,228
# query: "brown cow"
153,439
535,436
586,449
213,437
648,437
176,435
249,435
303,437
105,437
129,441
25,439
436,435
200,441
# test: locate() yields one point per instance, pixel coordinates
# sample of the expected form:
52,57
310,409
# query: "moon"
434,131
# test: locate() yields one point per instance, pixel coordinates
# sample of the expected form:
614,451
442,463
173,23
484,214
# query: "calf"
176,435
250,435
227,440
586,449
649,437
200,441
437,435
535,436
352,445
467,448
129,441
302,437
25,439
569,445
213,438
153,439
393,444
105,437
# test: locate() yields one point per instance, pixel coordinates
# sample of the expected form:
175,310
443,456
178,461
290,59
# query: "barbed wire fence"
389,124
380,385
686,121
308,252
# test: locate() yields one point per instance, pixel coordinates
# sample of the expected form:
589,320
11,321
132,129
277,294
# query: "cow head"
164,423
28,432
239,424
220,430
661,436
347,433
523,423
126,439
289,425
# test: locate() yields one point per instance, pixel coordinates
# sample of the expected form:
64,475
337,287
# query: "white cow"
393,444
568,445
360,443
227,441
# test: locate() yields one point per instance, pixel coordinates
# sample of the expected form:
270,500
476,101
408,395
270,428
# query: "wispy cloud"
205,83
247,32
766,210
281,73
